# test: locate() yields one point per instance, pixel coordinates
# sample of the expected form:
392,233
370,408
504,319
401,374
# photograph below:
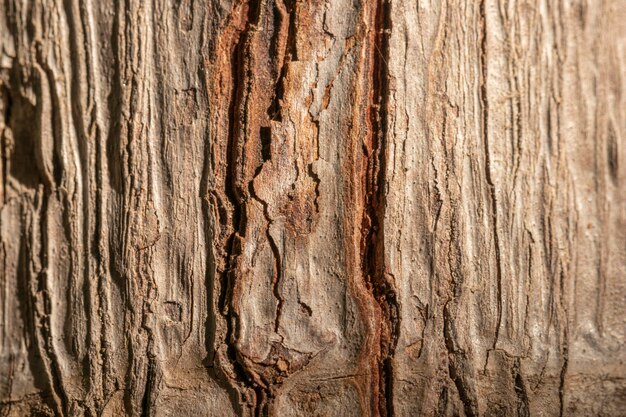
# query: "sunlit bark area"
312,208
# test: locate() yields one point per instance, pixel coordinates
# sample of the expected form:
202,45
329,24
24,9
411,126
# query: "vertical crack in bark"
490,183
523,409
442,403
278,273
564,348
286,22
458,365
7,106
237,193
151,375
379,282
562,377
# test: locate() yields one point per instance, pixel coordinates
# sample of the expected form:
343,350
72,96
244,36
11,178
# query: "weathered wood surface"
312,208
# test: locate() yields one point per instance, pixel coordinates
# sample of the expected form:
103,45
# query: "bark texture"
312,208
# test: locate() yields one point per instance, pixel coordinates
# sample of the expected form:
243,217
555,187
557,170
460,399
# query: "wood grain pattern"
312,208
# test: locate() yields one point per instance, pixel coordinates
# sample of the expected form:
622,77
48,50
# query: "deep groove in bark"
236,193
457,362
564,345
287,55
520,390
377,279
146,402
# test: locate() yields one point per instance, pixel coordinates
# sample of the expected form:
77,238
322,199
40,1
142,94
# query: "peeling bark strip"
312,208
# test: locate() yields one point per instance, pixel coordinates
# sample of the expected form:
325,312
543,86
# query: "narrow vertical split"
378,281
233,192
564,346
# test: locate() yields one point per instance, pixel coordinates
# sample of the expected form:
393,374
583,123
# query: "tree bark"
312,208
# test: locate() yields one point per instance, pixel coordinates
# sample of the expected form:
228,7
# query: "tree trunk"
312,208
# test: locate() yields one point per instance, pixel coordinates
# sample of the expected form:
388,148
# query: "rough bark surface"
312,208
